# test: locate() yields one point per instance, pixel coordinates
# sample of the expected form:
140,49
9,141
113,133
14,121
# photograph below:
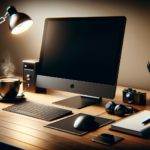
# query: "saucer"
16,99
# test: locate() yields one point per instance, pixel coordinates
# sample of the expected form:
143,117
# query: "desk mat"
66,124
5,146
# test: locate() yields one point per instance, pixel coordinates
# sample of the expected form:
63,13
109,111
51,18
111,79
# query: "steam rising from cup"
8,67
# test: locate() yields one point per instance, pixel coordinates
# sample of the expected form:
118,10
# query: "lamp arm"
3,18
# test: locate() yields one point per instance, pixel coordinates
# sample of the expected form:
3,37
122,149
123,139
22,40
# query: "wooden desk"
29,133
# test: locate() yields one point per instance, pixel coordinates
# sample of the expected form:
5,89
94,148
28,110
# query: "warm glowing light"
22,27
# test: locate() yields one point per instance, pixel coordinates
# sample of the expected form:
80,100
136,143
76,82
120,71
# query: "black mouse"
82,122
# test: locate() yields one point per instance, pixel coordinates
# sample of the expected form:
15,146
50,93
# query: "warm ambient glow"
22,27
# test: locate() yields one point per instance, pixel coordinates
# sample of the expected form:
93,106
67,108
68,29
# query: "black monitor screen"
84,49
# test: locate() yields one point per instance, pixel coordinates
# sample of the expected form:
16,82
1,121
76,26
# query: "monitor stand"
79,101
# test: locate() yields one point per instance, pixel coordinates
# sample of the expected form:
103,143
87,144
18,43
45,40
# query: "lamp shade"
18,22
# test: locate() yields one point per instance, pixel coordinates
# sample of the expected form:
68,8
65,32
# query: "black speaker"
30,68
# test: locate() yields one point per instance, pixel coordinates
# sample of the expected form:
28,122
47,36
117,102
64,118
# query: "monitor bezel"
80,87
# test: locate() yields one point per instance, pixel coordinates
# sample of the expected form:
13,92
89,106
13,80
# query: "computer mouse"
82,122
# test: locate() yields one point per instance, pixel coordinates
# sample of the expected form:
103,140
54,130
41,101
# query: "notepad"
136,124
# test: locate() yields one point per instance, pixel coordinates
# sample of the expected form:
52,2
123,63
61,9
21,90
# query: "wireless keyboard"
37,110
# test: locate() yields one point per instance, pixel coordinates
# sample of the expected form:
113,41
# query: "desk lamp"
18,22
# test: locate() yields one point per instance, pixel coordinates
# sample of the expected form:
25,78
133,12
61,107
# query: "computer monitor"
81,55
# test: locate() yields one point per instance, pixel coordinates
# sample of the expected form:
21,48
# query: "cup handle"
26,86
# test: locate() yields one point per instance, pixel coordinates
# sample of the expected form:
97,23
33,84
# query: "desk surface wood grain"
29,133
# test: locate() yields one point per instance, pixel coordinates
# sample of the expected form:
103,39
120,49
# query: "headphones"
118,109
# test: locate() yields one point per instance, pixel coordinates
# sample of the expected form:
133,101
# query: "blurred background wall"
136,46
